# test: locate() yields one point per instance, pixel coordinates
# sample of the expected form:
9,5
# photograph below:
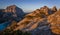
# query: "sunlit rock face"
10,8
54,20
45,9
15,10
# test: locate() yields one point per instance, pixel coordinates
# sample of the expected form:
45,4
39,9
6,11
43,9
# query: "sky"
29,5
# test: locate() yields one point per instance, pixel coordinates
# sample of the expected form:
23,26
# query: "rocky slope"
54,20
43,21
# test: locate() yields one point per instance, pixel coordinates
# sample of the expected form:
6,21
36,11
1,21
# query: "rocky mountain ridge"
43,21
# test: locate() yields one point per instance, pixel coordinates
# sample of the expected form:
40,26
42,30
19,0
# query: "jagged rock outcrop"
45,9
54,20
54,9
15,10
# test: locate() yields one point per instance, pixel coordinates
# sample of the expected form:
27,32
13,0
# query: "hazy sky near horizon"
29,5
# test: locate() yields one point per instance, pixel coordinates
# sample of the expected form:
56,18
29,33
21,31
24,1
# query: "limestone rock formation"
54,9
43,21
54,20
17,12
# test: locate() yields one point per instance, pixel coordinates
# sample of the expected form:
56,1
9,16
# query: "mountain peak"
14,11
45,7
12,6
54,8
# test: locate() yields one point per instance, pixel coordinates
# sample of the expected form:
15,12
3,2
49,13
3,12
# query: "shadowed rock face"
1,10
54,9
